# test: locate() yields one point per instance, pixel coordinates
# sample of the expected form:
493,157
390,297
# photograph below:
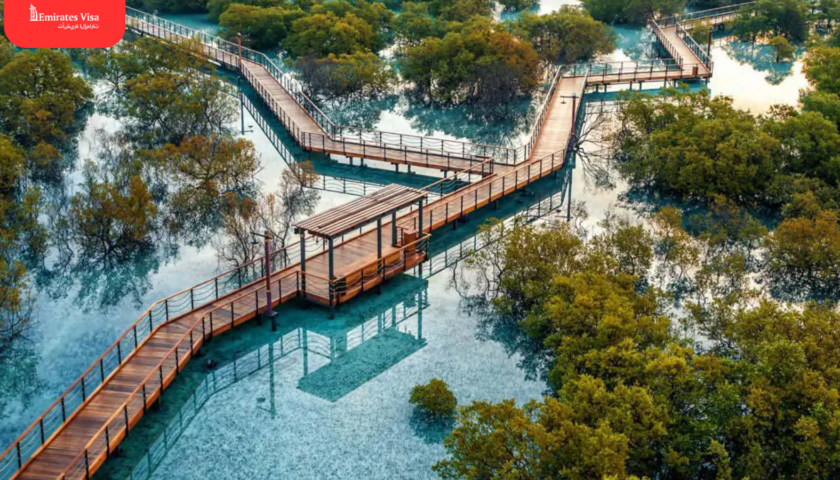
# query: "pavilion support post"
420,218
332,259
333,293
303,262
379,263
574,117
394,242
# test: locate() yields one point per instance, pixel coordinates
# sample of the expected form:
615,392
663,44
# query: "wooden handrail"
292,85
96,364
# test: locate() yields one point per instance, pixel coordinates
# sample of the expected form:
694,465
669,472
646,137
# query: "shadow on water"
364,114
335,176
760,57
431,429
19,381
505,127
333,357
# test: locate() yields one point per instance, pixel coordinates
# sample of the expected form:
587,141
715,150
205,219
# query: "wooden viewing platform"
338,257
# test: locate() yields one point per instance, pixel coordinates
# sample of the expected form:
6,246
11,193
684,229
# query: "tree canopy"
694,146
567,35
772,18
475,61
639,12
261,27
40,95
340,27
166,93
634,393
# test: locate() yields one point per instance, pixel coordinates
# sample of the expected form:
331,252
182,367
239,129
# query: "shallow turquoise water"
352,420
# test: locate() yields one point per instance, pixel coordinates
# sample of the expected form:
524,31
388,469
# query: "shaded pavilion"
335,223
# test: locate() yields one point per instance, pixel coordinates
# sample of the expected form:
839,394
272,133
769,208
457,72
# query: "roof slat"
361,211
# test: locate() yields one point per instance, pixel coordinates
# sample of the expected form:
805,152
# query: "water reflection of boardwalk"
358,352
387,235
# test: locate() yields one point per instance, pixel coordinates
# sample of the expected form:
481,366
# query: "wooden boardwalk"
315,131
72,442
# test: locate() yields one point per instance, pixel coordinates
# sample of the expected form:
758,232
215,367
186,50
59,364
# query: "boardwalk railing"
666,43
324,182
374,273
159,313
629,72
226,52
395,147
711,13
695,47
99,447
246,365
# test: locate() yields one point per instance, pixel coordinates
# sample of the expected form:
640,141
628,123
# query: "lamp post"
574,98
239,41
269,311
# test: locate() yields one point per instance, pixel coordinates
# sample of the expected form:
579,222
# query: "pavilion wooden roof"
361,211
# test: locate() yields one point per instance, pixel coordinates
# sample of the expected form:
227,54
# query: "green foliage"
803,256
22,239
476,61
587,434
434,399
7,51
633,397
516,5
215,8
700,31
784,50
810,145
786,380
772,18
340,27
415,23
40,96
174,6
321,34
261,27
111,220
358,74
166,93
825,11
822,68
201,171
567,35
460,10
825,103
621,11
694,146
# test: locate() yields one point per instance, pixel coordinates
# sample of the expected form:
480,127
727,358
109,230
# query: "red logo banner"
63,24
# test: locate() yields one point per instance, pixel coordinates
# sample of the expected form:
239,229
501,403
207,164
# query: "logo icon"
63,24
